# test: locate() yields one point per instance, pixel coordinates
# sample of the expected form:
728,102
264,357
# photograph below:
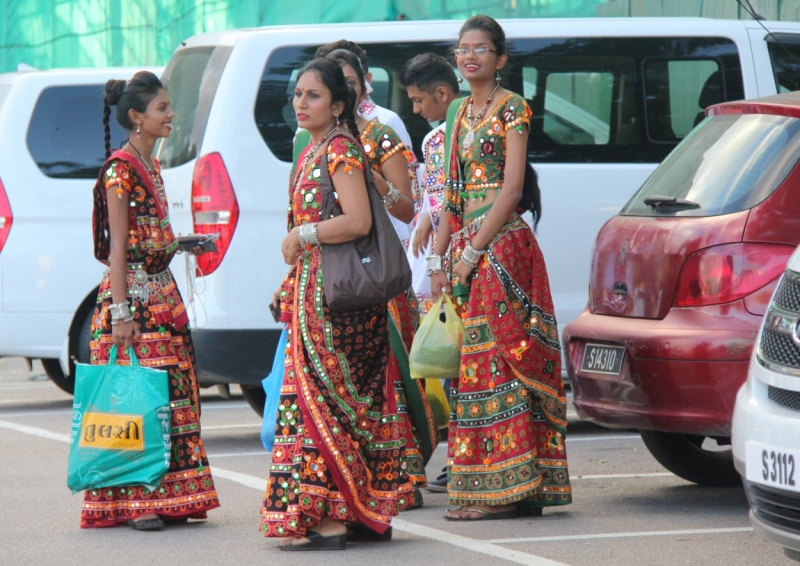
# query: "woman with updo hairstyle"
339,452
506,453
139,305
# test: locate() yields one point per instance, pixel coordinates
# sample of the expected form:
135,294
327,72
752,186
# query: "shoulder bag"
370,270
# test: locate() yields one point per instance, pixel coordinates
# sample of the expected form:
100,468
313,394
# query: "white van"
611,98
50,154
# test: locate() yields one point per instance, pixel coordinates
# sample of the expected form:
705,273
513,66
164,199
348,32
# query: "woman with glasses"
506,450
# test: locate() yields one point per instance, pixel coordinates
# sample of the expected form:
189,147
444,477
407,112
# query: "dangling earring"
338,123
460,80
138,130
497,79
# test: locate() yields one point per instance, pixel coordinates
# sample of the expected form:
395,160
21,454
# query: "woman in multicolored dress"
339,442
395,168
506,449
140,305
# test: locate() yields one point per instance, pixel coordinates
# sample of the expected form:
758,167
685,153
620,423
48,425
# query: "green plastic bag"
436,350
437,399
121,426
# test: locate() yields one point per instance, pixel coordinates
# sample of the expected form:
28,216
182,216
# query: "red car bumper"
680,374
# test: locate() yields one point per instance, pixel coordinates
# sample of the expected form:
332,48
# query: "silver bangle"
308,237
315,234
434,264
120,311
392,197
470,256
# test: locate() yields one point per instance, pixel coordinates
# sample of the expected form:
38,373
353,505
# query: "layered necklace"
154,176
470,137
310,155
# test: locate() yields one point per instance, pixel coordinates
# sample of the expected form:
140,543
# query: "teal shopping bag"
121,426
272,387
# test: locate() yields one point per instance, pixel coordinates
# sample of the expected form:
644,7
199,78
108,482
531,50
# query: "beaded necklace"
470,137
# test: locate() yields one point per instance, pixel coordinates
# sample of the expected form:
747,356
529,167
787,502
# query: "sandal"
484,515
361,533
152,524
317,541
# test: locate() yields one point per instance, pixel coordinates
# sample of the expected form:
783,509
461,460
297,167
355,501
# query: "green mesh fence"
96,33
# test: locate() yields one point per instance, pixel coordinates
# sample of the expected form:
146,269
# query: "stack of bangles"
120,312
470,256
391,198
308,236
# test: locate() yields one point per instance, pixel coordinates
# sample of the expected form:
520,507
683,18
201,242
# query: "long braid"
107,126
349,114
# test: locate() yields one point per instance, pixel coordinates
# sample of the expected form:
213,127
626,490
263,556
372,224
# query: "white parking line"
220,427
586,438
259,484
624,535
623,476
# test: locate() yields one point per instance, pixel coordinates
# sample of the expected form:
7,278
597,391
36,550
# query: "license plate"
599,358
773,466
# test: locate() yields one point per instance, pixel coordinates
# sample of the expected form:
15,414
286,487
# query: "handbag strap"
326,183
112,356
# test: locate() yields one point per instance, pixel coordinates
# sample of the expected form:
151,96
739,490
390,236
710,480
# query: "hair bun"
114,90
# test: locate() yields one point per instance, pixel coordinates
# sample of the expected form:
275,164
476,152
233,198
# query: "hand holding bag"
436,350
367,271
121,424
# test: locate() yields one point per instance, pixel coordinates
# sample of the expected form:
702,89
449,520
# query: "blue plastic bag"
272,387
121,426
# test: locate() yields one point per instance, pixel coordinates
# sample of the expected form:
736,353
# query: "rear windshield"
191,78
730,163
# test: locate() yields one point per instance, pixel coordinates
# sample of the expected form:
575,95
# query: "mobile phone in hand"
276,313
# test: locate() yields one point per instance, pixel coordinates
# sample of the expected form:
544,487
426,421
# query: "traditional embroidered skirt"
508,421
188,488
339,443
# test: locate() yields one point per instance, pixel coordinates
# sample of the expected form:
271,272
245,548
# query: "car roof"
369,32
74,76
786,104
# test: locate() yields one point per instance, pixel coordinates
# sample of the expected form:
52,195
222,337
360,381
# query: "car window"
729,163
66,137
784,53
677,92
191,79
588,95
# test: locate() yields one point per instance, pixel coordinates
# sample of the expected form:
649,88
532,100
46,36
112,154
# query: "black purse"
370,270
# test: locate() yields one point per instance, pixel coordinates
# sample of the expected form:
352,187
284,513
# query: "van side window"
677,92
784,53
577,107
66,137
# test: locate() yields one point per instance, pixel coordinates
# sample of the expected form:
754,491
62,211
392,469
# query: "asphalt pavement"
628,510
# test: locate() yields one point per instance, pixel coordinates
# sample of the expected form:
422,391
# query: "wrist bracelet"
308,236
434,264
121,312
392,197
470,256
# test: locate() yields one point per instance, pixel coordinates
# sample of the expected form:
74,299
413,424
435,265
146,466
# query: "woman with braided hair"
139,305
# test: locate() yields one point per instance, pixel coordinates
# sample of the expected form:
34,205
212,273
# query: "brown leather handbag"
369,270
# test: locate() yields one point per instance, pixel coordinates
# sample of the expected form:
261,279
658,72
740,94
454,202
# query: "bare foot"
477,511
327,528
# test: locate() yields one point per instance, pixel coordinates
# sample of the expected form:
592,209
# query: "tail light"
5,216
722,274
214,208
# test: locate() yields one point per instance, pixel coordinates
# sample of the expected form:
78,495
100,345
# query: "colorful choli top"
151,242
381,142
433,174
305,199
481,165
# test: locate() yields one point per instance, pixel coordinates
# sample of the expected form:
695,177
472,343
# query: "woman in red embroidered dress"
338,446
506,449
140,305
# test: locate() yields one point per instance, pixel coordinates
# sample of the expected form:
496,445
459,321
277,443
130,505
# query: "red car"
680,280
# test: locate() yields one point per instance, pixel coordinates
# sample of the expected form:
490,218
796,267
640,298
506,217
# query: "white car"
53,147
766,420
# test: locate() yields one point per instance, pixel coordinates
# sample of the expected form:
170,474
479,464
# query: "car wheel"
684,456
52,367
255,396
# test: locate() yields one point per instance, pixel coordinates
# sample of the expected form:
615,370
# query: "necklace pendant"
468,139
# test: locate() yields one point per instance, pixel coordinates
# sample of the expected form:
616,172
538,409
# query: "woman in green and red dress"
506,450
140,305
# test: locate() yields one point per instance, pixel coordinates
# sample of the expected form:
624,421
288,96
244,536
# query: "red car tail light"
214,208
722,274
5,216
